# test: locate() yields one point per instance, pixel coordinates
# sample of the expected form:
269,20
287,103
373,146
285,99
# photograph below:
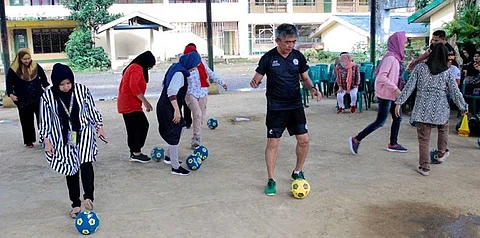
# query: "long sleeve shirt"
431,103
194,87
387,78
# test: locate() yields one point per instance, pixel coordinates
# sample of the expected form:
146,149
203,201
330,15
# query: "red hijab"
201,68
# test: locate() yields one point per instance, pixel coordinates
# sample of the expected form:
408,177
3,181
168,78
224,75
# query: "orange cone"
464,131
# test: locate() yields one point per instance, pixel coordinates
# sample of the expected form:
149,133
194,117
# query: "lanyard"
69,110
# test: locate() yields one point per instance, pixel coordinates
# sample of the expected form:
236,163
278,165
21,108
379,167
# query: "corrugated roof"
397,23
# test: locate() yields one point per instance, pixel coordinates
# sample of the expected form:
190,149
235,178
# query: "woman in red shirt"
131,96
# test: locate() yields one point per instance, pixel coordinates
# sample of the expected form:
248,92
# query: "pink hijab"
395,47
346,62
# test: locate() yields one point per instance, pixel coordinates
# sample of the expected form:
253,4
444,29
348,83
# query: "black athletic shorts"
294,120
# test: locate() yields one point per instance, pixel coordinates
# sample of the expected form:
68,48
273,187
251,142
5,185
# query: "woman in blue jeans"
387,91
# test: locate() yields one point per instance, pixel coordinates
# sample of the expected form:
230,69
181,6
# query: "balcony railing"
348,6
267,6
312,6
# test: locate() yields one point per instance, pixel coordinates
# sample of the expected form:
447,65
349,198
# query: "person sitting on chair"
348,79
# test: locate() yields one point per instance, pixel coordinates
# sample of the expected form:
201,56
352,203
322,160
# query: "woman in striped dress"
69,122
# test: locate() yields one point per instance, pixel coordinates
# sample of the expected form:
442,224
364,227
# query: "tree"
91,14
466,25
80,48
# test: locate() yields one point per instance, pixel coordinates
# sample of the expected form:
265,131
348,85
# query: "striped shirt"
67,159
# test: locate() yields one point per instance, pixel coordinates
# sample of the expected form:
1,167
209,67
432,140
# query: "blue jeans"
384,107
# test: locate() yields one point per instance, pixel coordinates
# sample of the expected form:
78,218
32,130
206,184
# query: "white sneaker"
422,171
444,157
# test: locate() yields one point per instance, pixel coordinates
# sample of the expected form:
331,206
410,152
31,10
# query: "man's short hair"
440,33
344,53
284,30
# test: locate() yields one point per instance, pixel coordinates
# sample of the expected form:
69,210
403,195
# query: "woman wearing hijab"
197,93
386,89
26,82
433,80
170,120
348,79
131,96
69,122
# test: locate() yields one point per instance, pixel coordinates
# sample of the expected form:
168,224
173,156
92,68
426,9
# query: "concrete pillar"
111,43
243,29
334,6
289,6
386,25
152,41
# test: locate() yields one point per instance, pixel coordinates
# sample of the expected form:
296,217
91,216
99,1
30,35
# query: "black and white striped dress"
67,159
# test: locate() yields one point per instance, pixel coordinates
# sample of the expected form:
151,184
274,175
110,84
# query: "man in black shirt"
284,67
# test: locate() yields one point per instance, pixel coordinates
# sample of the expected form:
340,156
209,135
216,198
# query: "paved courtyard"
374,194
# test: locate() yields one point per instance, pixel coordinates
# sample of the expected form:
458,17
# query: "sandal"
75,211
88,204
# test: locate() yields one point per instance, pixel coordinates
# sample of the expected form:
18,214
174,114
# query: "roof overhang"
423,15
336,20
136,20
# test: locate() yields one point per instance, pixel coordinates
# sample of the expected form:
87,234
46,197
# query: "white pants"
353,97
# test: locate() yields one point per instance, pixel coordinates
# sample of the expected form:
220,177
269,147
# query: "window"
34,2
303,2
50,40
137,1
44,2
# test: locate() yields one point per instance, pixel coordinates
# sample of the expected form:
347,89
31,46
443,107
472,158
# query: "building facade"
241,28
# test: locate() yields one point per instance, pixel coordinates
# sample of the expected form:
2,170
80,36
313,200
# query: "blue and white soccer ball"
212,123
193,162
434,157
201,151
87,222
158,154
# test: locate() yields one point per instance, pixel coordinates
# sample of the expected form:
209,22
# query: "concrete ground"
374,194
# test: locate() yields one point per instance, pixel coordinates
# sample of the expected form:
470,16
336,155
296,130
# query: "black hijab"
438,58
61,72
146,60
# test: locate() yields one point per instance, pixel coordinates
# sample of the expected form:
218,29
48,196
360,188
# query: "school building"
241,28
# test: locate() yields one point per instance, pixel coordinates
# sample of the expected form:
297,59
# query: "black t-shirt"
283,78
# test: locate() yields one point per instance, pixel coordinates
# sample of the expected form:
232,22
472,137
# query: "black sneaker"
141,158
180,171
167,160
300,175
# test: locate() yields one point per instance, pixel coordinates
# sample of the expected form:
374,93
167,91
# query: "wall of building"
339,38
441,17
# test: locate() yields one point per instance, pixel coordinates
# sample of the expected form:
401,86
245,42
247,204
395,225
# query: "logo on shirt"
295,61
275,63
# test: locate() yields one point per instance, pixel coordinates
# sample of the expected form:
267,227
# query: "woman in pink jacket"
387,91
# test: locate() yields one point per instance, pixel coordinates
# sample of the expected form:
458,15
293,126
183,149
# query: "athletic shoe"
271,187
30,145
397,148
141,158
423,171
340,110
444,157
167,160
353,109
300,175
354,144
180,171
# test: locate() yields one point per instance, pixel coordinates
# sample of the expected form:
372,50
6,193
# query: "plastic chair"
471,97
323,78
332,78
362,93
